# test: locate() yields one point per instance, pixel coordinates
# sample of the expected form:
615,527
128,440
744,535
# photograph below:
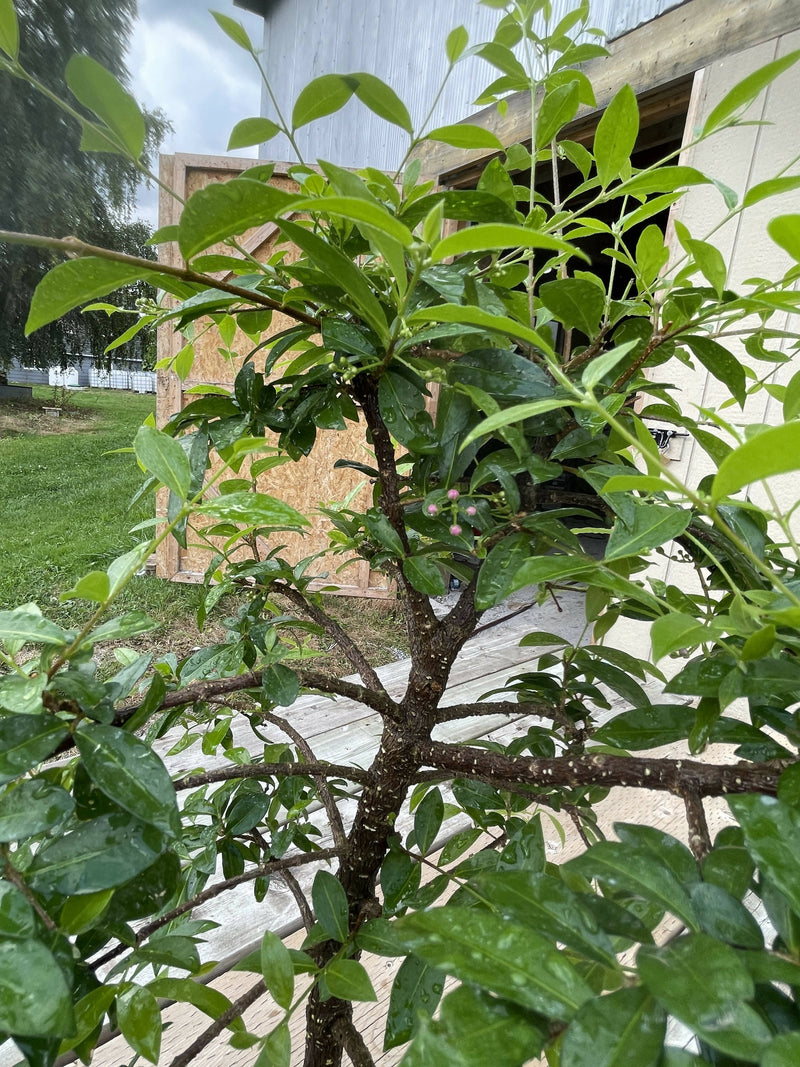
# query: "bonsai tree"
503,384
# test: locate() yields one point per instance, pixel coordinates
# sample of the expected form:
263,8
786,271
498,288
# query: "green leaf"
465,135
203,997
139,1020
497,237
616,135
719,362
164,457
457,41
253,131
225,209
625,1027
417,987
499,570
382,100
34,806
539,569
428,819
516,414
773,451
254,509
26,623
9,29
558,107
725,918
600,366
17,919
771,187
235,30
772,833
277,1048
322,96
341,270
578,304
548,906
791,399
652,525
26,740
99,91
710,263
785,232
501,956
475,316
784,1051
80,914
280,685
746,91
661,180
70,284
348,980
424,575
94,586
674,631
359,210
330,906
34,998
402,405
705,985
277,969
131,774
635,870
97,854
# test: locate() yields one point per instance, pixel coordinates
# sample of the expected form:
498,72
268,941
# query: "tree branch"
494,707
699,837
352,1042
238,1008
673,776
274,770
72,246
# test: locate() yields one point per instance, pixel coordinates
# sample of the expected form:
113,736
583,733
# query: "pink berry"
472,511
452,494
455,530
432,509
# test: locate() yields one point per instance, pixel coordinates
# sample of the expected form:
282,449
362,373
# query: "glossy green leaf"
784,1051
131,774
465,135
496,237
83,912
424,575
277,969
457,41
499,570
277,1048
9,29
672,632
203,997
26,623
603,365
417,987
663,846
99,91
359,210
280,685
625,1027
17,919
725,918
720,363
70,284
635,870
745,92
773,451
616,135
98,854
558,107
35,1000
34,806
710,262
772,833
548,906
139,1020
576,302
348,980
705,985
164,457
25,740
322,96
651,525
501,956
402,406
770,187
428,819
253,131
476,316
330,906
661,180
94,586
381,99
253,509
235,30
226,209
516,414
785,232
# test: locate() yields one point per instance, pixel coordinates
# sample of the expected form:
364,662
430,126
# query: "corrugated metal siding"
402,43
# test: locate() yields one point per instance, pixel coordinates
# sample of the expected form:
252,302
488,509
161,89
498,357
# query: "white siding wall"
402,43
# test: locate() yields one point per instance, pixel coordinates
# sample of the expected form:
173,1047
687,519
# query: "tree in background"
48,184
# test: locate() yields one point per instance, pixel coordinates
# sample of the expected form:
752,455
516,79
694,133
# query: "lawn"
64,510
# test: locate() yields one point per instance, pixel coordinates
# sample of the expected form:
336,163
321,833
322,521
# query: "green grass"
64,507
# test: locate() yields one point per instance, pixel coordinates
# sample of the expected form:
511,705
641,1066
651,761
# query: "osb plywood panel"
305,485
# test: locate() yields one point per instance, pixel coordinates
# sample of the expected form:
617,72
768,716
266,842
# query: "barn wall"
305,485
402,43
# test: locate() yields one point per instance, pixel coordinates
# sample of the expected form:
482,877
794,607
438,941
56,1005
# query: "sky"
182,62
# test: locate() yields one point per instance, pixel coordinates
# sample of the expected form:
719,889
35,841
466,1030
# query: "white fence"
140,381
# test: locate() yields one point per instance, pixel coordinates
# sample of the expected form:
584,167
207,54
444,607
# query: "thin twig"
699,837
274,770
299,898
11,874
238,1008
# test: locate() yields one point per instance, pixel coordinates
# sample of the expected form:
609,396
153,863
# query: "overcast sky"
182,62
